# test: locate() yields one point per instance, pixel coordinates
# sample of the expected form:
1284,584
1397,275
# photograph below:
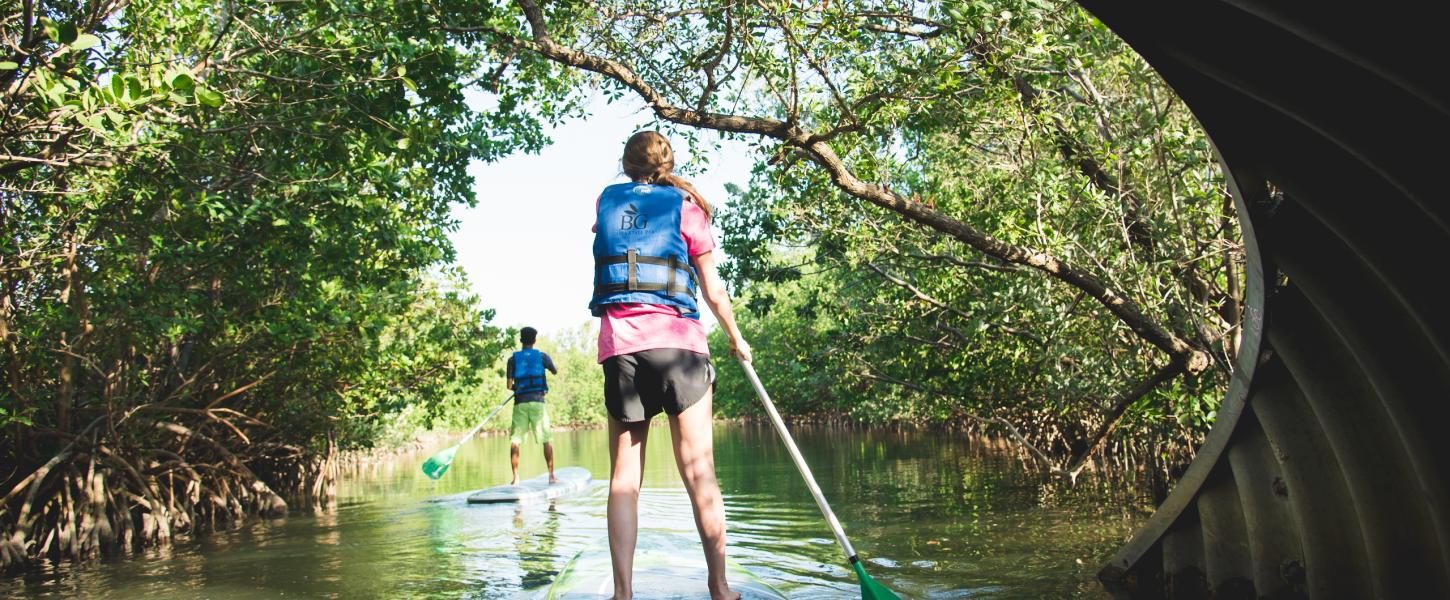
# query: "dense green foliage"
224,225
1057,137
985,209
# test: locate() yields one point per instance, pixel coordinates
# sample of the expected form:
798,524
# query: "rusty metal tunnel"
1326,473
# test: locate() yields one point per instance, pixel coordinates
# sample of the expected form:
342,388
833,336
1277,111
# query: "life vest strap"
633,259
614,288
662,261
632,272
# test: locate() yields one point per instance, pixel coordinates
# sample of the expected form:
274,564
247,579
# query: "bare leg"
514,459
694,439
626,463
549,458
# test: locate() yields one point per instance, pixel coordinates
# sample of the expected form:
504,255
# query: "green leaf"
181,81
55,92
67,34
85,41
6,65
134,91
93,122
408,83
52,29
209,97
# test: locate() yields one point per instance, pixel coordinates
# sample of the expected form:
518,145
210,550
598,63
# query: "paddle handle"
474,431
800,462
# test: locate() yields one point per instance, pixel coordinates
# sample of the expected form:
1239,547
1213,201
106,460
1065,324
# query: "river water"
935,515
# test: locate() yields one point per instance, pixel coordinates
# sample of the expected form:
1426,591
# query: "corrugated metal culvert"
1326,473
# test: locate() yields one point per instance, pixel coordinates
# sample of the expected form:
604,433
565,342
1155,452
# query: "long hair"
648,158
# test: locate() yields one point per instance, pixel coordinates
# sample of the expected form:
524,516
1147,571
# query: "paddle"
870,590
438,464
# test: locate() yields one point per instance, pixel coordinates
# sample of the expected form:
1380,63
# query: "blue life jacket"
529,372
639,254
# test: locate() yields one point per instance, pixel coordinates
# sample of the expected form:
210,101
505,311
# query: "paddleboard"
571,479
666,566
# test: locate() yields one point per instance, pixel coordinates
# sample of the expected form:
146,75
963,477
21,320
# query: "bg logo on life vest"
632,219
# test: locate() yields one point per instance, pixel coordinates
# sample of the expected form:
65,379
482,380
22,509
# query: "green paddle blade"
437,464
870,590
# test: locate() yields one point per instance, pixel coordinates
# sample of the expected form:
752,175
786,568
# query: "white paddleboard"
666,566
571,479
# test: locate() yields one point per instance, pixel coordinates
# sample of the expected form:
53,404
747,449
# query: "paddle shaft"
485,420
800,463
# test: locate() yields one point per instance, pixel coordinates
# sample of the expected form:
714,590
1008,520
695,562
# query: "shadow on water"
935,514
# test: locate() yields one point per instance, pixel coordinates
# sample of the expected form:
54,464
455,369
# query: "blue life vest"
529,372
639,254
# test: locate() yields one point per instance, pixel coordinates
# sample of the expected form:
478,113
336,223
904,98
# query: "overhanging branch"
1123,308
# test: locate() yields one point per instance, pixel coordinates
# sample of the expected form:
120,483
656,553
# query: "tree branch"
970,264
1119,407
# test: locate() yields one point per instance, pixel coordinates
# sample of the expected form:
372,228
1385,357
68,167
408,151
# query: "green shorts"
530,418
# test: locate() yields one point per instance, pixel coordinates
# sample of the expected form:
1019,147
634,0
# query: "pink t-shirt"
628,327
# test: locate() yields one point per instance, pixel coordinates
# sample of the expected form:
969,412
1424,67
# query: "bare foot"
552,480
514,482
725,594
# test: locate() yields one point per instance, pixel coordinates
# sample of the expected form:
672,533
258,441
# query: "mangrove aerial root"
107,492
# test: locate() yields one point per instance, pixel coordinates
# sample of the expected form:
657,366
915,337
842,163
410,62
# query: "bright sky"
526,246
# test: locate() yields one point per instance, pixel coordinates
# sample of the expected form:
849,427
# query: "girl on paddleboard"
652,257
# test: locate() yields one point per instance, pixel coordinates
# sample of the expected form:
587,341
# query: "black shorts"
638,386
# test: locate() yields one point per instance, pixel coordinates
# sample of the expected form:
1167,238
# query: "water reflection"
936,515
534,544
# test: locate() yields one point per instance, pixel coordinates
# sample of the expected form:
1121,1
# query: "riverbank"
1121,463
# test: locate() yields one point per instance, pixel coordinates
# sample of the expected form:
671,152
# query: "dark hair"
527,335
